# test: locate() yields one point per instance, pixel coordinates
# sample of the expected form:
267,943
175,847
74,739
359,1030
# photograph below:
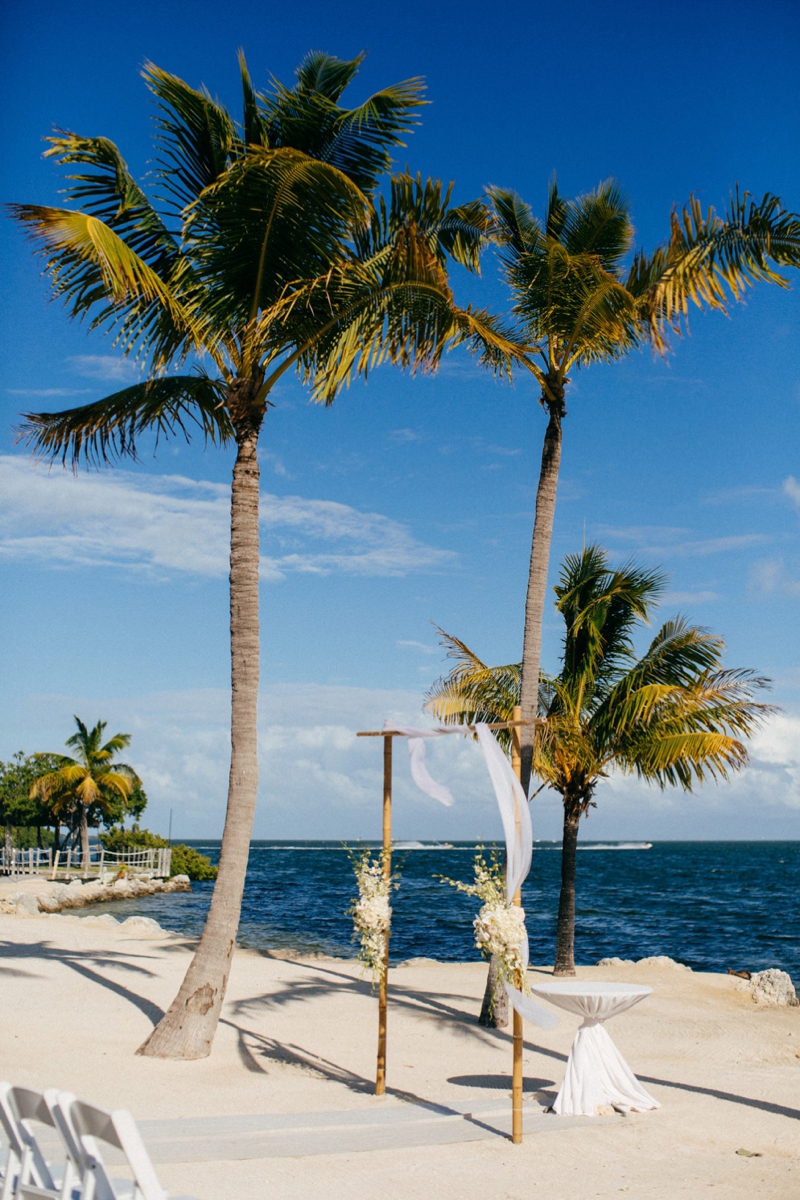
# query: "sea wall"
31,896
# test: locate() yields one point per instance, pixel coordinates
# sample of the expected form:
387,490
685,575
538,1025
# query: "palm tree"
672,717
92,781
583,295
270,252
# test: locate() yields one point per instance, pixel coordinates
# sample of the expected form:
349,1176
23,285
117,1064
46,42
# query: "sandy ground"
298,1036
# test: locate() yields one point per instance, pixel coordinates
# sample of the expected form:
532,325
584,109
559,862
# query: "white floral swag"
371,910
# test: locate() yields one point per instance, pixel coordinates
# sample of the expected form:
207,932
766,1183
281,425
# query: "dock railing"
136,860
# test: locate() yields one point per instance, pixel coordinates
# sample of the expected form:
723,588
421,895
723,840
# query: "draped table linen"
597,1075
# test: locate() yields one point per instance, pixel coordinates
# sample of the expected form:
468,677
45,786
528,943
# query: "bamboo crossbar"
452,729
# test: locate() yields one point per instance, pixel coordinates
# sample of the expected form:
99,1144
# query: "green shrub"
188,861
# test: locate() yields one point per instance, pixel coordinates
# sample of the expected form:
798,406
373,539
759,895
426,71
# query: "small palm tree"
672,717
268,251
583,294
91,781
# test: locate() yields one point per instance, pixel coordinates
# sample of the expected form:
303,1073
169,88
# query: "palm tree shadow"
447,1009
78,961
270,1050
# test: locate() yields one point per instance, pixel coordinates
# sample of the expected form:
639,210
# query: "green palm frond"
275,218
355,141
579,304
254,125
471,691
673,717
106,190
109,429
196,136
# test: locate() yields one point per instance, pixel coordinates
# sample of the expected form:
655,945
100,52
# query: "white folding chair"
27,1175
90,1125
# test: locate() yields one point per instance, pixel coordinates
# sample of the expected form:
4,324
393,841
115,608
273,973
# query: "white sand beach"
294,1058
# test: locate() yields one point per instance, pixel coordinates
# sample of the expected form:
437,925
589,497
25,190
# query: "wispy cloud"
791,489
107,367
420,646
671,541
404,435
770,577
689,597
48,391
167,523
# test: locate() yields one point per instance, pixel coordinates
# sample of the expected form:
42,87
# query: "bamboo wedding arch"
516,764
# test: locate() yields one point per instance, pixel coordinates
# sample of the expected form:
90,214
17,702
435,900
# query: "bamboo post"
516,1071
380,1079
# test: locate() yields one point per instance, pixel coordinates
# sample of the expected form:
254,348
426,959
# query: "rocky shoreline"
36,896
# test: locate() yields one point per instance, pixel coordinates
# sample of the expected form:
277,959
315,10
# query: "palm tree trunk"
84,828
187,1029
494,1016
565,933
537,576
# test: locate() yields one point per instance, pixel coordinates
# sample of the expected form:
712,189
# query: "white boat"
617,846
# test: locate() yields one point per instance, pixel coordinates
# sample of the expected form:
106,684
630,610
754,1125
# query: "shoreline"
27,895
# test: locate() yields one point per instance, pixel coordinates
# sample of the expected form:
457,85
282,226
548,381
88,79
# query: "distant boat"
617,846
422,845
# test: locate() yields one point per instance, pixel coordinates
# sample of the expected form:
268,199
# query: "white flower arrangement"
499,926
371,910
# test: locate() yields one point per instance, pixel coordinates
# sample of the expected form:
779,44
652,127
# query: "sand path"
295,1053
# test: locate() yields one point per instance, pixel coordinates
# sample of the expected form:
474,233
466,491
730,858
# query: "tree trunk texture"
84,828
565,934
187,1029
537,577
494,1016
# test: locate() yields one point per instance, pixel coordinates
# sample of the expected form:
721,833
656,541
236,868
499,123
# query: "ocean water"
712,905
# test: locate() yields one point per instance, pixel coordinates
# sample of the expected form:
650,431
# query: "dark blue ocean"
712,905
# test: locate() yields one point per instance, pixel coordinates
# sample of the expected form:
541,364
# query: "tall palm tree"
92,780
583,294
268,251
673,716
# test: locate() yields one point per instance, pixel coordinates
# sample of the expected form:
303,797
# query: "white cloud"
791,488
318,780
48,391
769,577
166,523
689,597
420,646
107,367
670,542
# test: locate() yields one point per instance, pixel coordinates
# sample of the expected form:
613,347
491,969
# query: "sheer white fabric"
597,1075
516,818
416,758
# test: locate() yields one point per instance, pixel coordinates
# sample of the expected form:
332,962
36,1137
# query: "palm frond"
274,218
109,429
472,691
355,141
106,190
711,260
196,136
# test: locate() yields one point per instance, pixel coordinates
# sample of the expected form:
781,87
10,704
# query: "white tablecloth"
597,1075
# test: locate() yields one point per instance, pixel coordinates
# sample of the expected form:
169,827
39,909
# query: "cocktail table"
597,1075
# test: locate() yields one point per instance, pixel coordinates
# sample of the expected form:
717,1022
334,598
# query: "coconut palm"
582,294
267,252
673,716
90,784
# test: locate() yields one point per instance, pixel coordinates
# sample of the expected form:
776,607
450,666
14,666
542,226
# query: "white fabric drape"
516,818
416,757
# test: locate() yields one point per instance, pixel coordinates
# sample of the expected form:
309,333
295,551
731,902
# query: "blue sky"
411,500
